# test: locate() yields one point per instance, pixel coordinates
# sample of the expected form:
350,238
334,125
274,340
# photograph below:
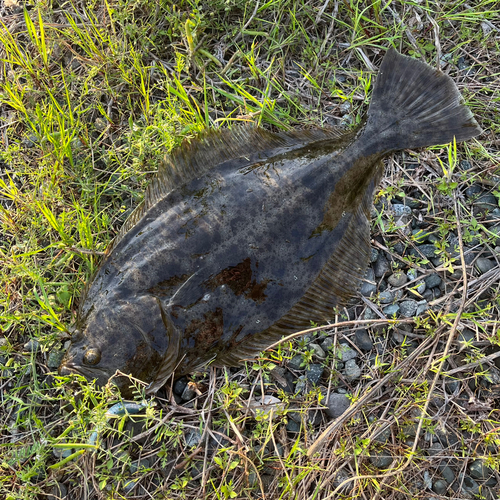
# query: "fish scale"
245,236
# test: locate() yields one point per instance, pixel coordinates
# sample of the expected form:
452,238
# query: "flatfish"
245,235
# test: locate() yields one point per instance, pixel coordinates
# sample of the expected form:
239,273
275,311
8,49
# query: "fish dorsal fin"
213,148
336,283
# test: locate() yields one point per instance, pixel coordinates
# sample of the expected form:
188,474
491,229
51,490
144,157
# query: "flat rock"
486,202
433,280
346,353
314,373
386,297
368,287
297,362
381,266
391,310
381,459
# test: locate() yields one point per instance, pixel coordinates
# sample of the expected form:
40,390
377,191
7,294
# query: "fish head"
122,335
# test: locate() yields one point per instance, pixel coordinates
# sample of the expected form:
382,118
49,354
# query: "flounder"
245,235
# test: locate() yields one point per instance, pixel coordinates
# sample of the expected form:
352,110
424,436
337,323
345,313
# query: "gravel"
318,350
433,280
363,340
391,310
381,459
486,202
386,297
479,470
352,370
381,266
408,308
400,210
346,354
368,287
440,487
297,362
314,373
397,279
484,265
337,404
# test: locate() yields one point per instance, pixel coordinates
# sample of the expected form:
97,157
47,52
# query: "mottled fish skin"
254,247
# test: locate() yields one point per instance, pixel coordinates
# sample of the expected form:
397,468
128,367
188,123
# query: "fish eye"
92,356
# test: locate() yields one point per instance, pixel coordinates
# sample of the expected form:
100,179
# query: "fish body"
245,236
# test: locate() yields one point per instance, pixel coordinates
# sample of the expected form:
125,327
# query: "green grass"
92,96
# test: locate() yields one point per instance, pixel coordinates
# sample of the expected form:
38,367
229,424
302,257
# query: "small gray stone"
352,370
383,436
346,353
433,280
486,202
297,362
368,287
451,385
386,297
381,459
397,279
440,487
483,265
479,470
466,335
54,358
327,344
469,485
337,404
473,190
136,465
188,393
391,310
193,438
314,373
363,340
369,314
373,255
408,308
293,427
422,306
400,210
398,337
32,345
447,473
381,266
179,386
412,274
427,250
318,351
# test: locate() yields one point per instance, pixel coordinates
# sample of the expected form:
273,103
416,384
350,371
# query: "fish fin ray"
414,105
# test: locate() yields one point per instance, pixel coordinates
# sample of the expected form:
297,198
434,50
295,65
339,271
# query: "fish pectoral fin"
171,359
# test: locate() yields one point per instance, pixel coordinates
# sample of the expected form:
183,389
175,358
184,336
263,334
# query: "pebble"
363,340
466,335
337,404
297,362
318,351
400,210
32,345
381,459
398,337
422,306
473,190
352,370
315,372
188,393
397,279
427,480
479,470
373,255
384,436
140,464
346,353
486,202
368,287
469,485
408,308
327,343
391,310
54,358
193,438
180,385
433,280
386,297
440,487
447,473
293,427
381,266
265,406
483,265
427,250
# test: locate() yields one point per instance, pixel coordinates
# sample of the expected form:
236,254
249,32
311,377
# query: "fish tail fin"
414,105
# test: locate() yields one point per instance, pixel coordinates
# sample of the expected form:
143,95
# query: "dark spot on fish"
207,331
166,287
305,259
239,279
